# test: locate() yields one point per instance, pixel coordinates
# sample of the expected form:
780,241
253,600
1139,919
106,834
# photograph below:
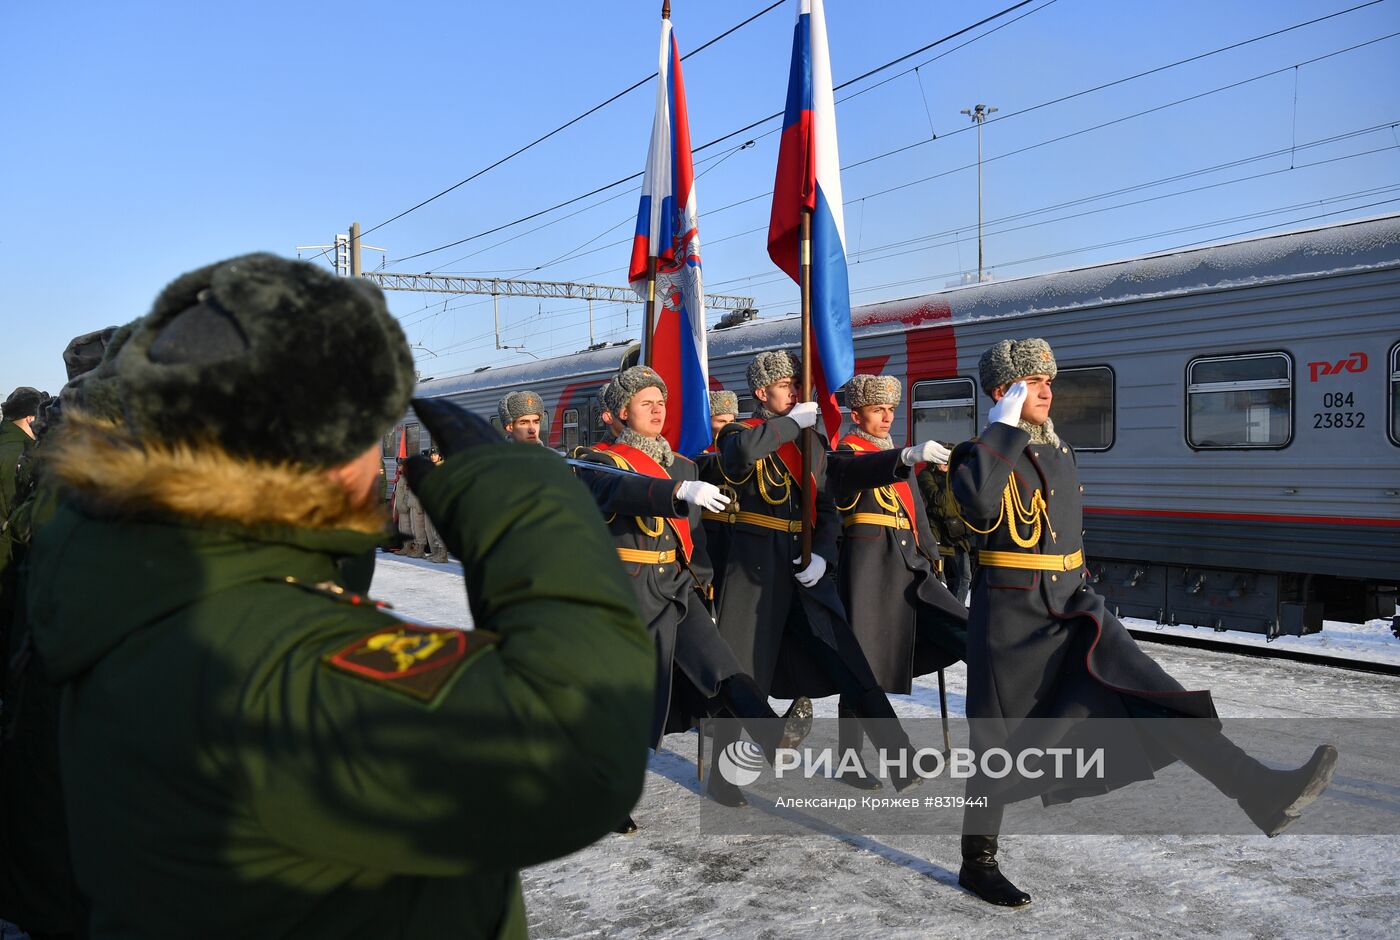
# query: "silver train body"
1235,410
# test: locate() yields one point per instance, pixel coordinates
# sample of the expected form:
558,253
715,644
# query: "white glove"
702,494
1008,410
812,573
804,413
927,452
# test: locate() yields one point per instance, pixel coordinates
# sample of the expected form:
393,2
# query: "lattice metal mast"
511,287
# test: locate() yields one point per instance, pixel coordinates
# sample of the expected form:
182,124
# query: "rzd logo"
1356,363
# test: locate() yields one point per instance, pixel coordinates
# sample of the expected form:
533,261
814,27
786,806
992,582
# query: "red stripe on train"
1245,516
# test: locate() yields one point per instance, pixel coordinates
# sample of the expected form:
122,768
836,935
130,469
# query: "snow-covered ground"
672,879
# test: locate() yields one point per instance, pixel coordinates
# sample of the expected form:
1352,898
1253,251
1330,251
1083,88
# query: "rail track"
1266,652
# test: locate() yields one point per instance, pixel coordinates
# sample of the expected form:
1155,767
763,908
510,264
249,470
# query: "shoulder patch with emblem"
409,658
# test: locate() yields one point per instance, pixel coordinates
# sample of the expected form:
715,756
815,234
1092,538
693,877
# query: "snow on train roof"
1343,246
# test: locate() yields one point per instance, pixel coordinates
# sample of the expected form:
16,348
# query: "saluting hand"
702,494
1008,410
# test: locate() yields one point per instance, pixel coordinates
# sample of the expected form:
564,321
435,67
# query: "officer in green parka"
16,442
249,747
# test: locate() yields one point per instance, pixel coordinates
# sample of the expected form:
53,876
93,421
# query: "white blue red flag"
668,229
809,178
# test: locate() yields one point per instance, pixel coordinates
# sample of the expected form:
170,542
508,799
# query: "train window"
496,423
944,410
1084,407
570,438
1240,401
1395,394
391,443
746,406
414,444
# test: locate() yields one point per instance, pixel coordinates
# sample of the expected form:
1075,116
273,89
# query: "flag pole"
809,436
649,322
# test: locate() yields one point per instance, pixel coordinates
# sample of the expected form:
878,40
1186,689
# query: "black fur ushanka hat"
270,359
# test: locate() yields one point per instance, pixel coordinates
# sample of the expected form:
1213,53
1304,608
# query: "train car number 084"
1338,419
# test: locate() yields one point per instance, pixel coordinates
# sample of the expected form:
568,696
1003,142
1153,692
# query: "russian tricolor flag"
668,229
809,178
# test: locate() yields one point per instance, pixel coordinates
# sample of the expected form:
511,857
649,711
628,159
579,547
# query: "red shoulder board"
415,660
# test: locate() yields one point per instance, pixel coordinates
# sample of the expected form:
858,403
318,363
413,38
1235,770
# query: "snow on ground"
1372,642
672,880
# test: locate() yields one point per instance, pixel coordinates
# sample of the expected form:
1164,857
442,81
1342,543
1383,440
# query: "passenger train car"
1235,411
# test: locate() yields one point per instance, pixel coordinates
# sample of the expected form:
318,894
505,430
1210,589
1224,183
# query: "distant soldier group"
250,746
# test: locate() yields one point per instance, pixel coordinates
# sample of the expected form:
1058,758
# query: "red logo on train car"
1357,362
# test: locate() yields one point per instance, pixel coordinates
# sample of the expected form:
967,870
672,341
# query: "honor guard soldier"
521,414
787,625
1044,654
724,408
250,746
662,548
907,622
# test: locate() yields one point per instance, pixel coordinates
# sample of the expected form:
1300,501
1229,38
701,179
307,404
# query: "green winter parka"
250,750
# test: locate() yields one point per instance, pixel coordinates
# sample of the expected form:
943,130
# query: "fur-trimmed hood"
145,530
110,473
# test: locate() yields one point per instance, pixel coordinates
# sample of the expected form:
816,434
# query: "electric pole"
979,113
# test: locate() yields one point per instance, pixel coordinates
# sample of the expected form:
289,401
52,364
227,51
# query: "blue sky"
144,139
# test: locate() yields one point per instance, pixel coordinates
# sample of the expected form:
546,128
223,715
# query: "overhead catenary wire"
705,146
863,196
924,141
567,124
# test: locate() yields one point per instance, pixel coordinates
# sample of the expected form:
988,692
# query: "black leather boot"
626,828
849,740
1272,799
743,698
723,792
981,874
882,726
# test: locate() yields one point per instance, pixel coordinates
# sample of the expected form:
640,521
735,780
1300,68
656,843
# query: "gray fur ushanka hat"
1013,359
628,383
270,359
519,404
864,390
769,367
724,403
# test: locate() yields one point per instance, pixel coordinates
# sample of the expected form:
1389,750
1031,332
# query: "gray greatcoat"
1040,644
907,621
691,658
